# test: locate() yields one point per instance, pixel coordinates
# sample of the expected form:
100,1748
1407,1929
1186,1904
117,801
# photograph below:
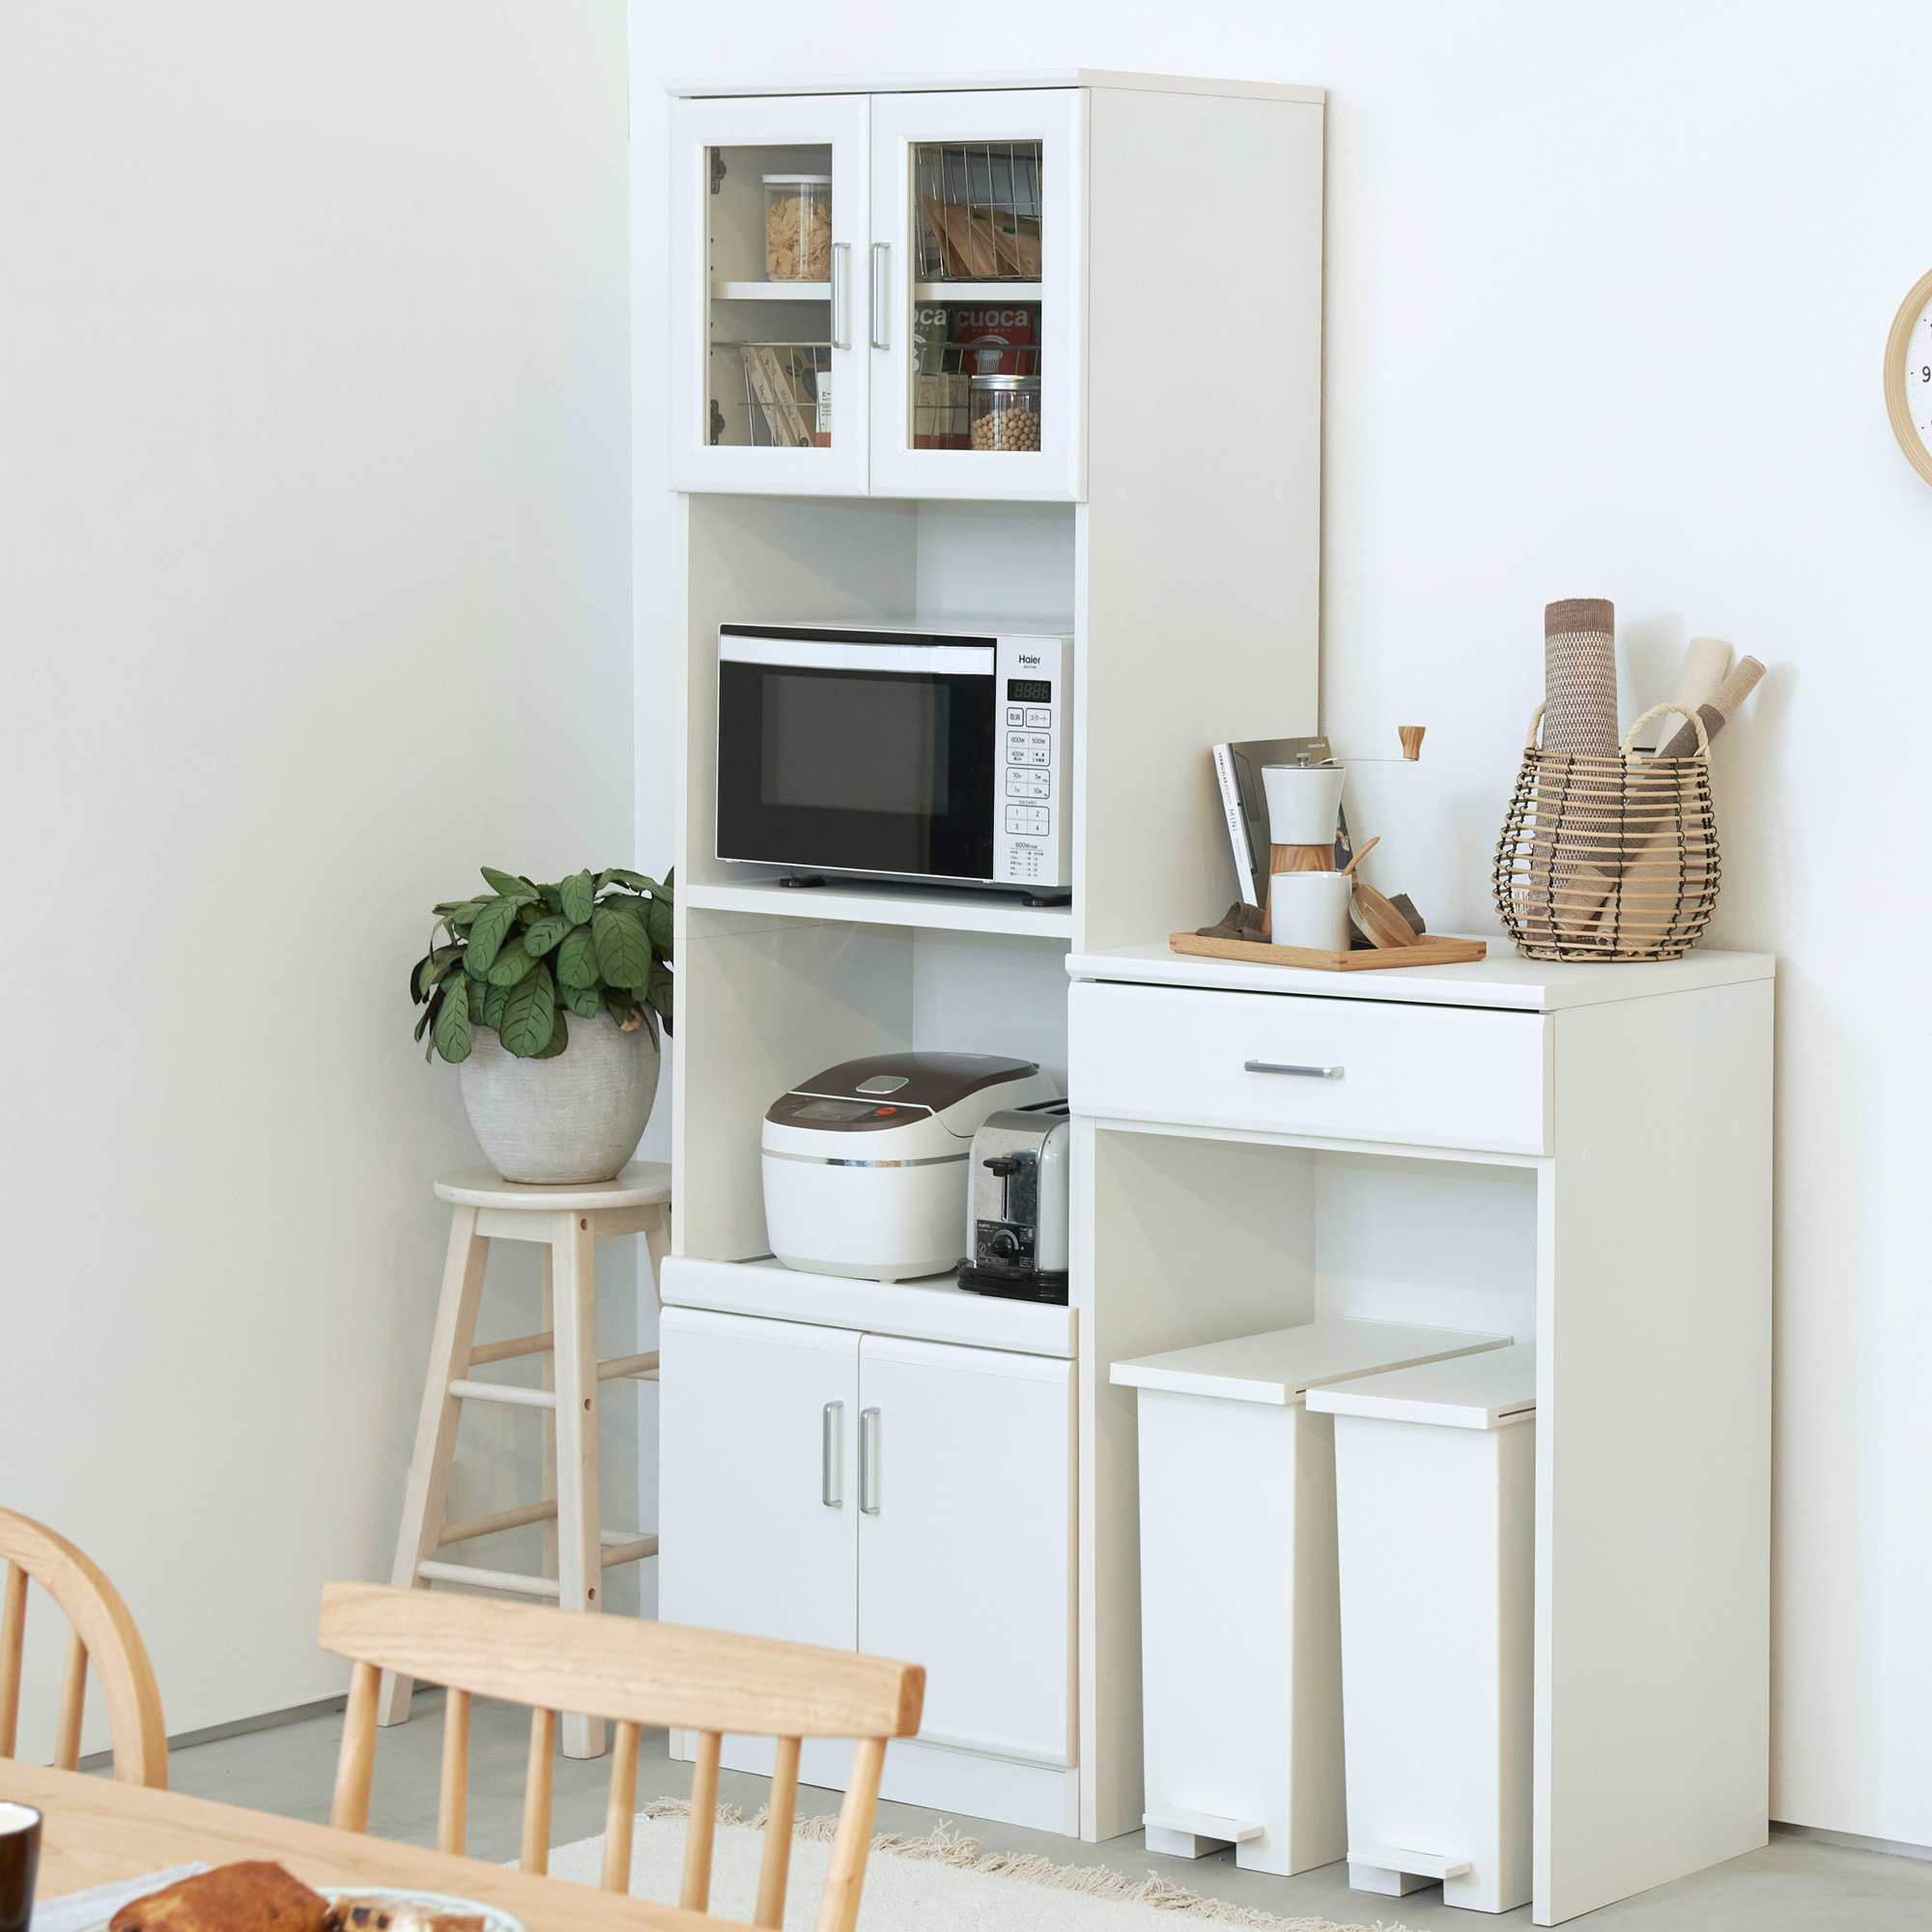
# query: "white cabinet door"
769,221
966,1539
757,1502
979,235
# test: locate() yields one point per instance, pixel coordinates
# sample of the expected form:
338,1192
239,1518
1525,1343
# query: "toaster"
865,1164
1016,1210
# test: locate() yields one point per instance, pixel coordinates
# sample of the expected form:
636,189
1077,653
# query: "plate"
495,1919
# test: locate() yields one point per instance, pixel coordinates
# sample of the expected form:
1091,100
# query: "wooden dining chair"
98,1627
636,1673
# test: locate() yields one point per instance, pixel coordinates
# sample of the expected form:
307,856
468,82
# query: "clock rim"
1896,406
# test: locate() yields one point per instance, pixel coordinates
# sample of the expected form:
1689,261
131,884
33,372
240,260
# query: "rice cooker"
866,1164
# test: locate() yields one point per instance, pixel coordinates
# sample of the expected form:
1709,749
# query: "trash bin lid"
1280,1366
1486,1391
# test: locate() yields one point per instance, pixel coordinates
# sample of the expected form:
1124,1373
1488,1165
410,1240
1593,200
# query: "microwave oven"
897,753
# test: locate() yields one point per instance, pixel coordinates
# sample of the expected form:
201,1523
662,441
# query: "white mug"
1310,909
1304,802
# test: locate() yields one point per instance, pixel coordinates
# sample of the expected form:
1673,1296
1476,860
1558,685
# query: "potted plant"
548,999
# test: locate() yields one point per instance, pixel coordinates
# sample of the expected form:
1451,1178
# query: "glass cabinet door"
768,379
974,282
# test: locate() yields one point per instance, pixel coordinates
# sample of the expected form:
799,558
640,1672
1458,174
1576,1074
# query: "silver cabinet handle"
1279,1066
868,1462
830,1491
882,258
841,275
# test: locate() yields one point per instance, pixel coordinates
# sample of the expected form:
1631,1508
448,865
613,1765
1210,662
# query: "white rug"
942,1883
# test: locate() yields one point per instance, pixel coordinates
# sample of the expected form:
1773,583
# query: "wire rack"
979,211
772,395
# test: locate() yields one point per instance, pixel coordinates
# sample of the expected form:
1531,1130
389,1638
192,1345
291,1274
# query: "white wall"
1607,287
314,498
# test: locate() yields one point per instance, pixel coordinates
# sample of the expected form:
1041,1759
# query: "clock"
1908,377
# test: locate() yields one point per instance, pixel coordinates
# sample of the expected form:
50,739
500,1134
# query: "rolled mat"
1580,699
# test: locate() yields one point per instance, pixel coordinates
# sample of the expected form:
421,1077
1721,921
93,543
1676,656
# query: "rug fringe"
947,1847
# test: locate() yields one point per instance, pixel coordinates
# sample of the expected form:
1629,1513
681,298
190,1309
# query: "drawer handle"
830,1421
1279,1066
869,1460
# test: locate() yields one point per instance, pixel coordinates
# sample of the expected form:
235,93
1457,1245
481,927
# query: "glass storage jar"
798,228
1006,411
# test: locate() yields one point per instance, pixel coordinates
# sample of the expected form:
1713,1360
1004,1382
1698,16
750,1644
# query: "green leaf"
494,1003
539,938
577,958
518,892
452,1023
552,897
575,894
582,1001
620,1003
530,1013
419,992
434,969
460,915
623,948
511,967
657,923
559,1037
637,881
658,995
427,1020
493,923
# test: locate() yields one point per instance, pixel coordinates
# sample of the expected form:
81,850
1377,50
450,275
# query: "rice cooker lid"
892,1089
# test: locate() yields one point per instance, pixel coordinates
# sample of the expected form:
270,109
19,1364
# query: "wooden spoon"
1361,855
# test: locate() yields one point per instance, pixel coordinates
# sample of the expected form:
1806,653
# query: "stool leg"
580,1552
428,1488
547,1324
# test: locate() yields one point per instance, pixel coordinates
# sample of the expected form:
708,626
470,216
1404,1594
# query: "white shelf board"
770,292
975,291
869,902
1279,1367
992,80
935,1309
1484,1391
1503,980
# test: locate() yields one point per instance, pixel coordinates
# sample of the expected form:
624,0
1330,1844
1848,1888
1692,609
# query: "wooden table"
97,1831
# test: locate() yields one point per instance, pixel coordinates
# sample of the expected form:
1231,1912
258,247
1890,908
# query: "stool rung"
489,1580
644,1367
621,1546
505,1351
488,1526
516,1398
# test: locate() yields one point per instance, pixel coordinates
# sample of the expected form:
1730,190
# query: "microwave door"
857,757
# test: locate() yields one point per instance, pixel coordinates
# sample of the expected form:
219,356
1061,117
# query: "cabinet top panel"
992,82
1503,980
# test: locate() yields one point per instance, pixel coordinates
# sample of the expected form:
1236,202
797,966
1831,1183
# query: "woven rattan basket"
1609,858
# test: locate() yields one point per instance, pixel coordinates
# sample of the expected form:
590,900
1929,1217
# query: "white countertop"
1504,979
1278,1367
1484,1391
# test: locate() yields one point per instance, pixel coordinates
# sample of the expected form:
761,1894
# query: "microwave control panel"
1032,712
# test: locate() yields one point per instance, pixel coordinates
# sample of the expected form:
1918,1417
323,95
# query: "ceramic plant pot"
574,1119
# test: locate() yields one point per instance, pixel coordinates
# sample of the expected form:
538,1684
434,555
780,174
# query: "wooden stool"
568,1222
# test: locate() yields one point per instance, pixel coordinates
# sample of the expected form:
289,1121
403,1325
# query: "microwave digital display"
1029,691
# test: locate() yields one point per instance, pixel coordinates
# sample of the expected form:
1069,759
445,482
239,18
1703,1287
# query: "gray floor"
1793,1884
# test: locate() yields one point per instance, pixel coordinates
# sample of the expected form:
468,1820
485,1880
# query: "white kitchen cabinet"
768,374
904,1497
758,1422
965,1539
978,205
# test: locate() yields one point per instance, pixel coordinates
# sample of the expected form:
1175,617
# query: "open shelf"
770,292
879,902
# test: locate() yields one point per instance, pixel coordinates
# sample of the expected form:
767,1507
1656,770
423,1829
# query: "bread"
375,1912
255,1896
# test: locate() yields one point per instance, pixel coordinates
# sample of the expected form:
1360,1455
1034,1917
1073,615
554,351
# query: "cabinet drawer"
1434,1076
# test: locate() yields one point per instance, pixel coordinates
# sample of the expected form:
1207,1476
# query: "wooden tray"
1426,951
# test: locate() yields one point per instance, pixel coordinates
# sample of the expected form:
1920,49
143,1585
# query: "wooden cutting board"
1426,951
